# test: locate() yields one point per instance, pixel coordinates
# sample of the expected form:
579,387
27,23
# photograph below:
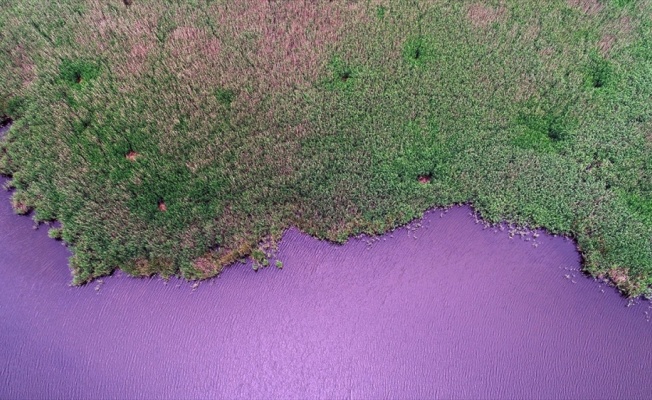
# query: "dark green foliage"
380,11
224,96
623,3
343,75
76,72
16,107
543,132
641,206
417,51
55,233
599,71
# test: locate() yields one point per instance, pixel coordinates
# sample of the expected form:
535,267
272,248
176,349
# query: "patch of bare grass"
589,7
606,43
481,15
616,34
207,266
285,42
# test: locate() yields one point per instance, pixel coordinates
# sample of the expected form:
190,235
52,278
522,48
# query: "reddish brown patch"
547,51
20,208
128,37
137,57
619,276
206,265
161,206
132,155
625,25
286,42
589,7
143,267
615,34
606,43
482,16
187,40
25,63
423,179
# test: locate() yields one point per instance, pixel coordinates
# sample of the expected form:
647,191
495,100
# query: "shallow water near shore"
443,308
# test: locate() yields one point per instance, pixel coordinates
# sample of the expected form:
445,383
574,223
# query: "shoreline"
452,312
360,128
612,279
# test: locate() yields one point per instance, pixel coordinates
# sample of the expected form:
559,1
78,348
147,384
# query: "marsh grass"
178,138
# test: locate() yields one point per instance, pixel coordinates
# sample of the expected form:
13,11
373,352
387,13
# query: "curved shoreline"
533,112
460,311
513,230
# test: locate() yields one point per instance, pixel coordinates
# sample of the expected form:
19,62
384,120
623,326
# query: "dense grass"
177,138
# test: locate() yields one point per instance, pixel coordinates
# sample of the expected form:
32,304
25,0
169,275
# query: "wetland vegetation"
178,137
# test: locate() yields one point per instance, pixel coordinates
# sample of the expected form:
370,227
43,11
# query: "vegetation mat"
178,137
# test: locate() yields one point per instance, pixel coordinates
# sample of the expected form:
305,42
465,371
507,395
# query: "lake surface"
444,308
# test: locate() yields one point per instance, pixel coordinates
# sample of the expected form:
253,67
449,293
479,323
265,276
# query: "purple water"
457,312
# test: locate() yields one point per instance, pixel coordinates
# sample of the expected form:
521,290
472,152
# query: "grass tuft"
599,71
75,72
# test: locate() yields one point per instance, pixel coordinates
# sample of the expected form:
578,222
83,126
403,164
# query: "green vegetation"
176,138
